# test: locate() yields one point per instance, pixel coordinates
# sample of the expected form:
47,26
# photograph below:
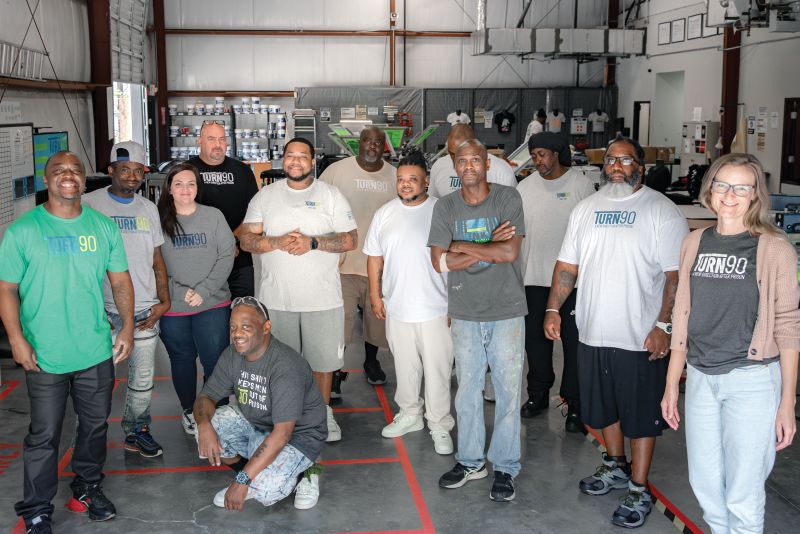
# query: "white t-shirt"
623,247
547,205
412,291
454,118
598,121
309,282
533,128
444,180
554,122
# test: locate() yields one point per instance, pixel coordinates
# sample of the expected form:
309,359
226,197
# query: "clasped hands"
295,243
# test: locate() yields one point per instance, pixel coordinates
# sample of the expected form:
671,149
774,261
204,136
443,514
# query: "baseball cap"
129,151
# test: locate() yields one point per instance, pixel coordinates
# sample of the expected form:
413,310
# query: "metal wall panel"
498,100
439,103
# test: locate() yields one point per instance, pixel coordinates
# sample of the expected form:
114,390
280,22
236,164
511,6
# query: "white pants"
423,348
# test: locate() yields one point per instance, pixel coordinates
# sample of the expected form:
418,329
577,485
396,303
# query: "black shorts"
621,385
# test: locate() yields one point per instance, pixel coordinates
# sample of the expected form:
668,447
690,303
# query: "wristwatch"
666,327
314,243
243,478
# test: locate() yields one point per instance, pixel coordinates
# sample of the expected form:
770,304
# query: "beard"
412,199
619,189
300,178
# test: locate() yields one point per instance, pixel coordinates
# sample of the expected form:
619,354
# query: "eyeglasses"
625,160
221,123
125,172
740,190
253,303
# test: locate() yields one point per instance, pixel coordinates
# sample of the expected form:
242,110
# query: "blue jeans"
500,344
730,441
141,368
186,337
238,437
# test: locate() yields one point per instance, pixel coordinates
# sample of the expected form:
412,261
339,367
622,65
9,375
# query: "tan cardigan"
778,322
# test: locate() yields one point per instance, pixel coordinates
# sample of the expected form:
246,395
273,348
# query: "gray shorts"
317,335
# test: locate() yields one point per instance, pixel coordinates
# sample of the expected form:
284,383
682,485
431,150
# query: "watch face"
668,330
242,478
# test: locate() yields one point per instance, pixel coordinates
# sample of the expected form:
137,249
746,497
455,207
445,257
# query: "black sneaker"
633,508
336,386
40,525
142,442
573,422
375,375
460,475
535,404
609,476
93,500
502,487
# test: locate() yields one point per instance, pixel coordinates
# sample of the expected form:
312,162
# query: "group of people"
461,266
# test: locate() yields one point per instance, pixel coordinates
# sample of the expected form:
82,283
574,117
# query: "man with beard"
228,185
622,247
367,182
300,226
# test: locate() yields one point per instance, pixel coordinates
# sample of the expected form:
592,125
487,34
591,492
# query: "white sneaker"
189,425
402,424
488,388
219,498
442,442
334,432
306,494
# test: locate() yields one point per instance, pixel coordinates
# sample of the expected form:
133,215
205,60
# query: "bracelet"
552,310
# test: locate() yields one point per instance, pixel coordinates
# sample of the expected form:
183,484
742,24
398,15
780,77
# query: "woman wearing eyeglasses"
199,252
736,322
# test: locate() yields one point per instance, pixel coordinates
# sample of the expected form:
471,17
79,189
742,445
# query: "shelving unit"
183,120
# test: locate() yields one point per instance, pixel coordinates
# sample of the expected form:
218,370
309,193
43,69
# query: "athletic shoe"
375,375
219,498
189,425
442,442
90,498
40,525
336,386
634,507
402,424
460,475
334,432
573,422
142,442
306,493
502,487
488,388
536,404
607,477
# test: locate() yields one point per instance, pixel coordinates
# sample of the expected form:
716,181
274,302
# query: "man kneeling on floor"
277,430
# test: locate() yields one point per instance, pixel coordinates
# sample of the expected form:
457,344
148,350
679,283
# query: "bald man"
443,178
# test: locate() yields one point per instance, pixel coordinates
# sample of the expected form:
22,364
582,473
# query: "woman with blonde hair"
736,322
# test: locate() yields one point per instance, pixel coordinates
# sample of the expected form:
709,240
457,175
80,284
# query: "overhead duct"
559,42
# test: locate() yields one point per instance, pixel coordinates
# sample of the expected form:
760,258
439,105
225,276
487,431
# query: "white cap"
129,151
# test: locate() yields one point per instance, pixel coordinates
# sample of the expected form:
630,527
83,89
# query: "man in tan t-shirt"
368,183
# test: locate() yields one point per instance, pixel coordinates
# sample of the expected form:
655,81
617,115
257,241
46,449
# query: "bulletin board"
16,167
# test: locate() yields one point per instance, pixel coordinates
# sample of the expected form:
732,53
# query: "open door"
641,122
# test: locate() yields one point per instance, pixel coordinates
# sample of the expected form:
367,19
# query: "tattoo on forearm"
668,303
260,450
341,242
566,283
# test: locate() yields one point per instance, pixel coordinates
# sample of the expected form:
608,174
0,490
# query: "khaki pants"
355,292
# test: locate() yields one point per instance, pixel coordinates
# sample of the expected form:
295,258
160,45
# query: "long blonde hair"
757,219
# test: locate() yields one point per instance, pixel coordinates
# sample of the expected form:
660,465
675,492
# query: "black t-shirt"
504,121
229,188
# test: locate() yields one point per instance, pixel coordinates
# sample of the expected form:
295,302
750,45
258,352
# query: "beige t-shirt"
366,192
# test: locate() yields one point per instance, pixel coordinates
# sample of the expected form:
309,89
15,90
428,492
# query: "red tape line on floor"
10,385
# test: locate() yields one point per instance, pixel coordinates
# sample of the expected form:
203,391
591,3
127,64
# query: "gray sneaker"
633,508
607,477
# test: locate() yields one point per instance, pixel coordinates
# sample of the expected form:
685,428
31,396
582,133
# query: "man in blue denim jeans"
475,236
138,221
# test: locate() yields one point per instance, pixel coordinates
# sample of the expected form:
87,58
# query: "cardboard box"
664,153
595,155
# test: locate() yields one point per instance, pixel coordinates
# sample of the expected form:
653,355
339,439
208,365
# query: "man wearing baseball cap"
139,223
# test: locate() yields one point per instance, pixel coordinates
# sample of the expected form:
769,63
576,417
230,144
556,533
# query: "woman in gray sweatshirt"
199,251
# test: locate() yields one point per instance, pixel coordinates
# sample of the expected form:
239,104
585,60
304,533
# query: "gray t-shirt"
484,291
724,302
276,388
140,227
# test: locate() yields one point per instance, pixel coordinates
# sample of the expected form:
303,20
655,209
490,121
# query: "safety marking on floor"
8,452
7,387
660,502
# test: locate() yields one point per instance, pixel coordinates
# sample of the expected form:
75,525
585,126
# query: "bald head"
458,134
62,156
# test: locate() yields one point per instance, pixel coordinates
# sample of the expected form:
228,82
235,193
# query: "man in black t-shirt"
228,185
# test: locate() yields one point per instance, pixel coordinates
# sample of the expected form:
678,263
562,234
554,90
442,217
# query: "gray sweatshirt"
200,258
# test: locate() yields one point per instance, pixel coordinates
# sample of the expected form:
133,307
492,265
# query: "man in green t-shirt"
54,259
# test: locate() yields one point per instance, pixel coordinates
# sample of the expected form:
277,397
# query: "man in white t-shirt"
622,247
458,117
412,297
443,178
367,182
548,197
300,226
536,125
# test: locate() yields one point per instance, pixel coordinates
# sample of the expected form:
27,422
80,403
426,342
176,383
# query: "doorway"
667,114
641,122
790,167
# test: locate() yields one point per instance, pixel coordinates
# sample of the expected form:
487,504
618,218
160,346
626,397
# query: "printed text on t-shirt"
725,266
614,218
217,178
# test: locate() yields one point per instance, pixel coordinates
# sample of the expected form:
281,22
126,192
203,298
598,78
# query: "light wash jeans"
238,437
501,345
730,440
141,368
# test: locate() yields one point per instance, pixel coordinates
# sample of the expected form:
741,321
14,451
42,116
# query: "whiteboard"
16,165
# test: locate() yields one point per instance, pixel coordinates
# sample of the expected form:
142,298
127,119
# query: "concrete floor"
370,484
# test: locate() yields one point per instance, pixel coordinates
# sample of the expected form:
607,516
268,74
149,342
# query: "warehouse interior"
689,79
